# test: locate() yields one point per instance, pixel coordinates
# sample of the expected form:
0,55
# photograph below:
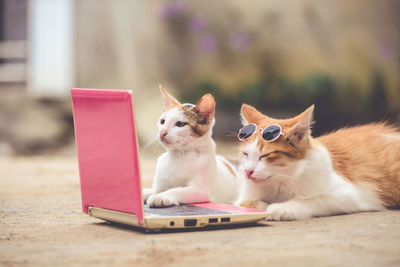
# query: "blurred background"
280,56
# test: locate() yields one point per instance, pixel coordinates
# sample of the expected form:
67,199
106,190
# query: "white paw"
286,212
146,198
162,200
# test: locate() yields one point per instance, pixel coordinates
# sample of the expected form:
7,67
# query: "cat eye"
276,155
269,134
162,121
180,123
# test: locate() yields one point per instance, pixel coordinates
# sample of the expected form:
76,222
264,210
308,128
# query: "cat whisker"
231,133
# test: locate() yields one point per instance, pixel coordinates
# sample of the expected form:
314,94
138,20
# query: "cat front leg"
336,202
179,195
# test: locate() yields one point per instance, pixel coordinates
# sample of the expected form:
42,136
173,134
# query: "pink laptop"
109,169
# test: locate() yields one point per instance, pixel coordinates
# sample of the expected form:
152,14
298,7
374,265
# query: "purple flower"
240,41
208,44
197,25
172,9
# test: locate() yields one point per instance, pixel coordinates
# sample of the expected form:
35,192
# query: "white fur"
306,188
189,171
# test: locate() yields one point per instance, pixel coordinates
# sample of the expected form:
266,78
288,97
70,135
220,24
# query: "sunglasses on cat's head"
269,134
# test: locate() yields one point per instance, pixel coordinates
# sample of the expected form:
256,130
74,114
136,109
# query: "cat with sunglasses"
295,176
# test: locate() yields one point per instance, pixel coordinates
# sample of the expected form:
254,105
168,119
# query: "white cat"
189,171
295,176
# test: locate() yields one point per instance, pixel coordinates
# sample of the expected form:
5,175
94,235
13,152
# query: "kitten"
189,171
296,176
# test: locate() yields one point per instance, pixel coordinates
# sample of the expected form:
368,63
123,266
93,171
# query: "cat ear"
301,131
206,106
169,100
250,114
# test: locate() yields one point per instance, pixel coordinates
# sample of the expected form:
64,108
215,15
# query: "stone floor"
41,224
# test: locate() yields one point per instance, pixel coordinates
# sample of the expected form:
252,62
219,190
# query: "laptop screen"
107,150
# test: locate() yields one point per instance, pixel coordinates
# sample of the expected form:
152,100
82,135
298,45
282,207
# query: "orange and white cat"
297,176
190,171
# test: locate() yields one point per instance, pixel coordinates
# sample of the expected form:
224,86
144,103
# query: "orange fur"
369,156
250,204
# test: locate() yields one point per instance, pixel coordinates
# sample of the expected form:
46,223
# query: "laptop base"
157,222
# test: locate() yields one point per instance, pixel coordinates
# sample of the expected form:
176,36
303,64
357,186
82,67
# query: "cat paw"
160,200
146,198
285,212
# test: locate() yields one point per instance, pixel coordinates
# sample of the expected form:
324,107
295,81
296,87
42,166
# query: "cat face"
180,125
263,161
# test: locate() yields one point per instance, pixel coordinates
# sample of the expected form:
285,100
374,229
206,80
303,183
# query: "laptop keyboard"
182,210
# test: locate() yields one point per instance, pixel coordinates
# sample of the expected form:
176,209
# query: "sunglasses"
269,134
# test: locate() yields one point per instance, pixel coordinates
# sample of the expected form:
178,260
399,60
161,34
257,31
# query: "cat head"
180,125
263,161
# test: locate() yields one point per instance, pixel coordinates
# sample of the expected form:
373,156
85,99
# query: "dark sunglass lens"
247,131
271,132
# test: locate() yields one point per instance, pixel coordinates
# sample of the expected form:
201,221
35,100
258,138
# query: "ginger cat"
296,176
189,171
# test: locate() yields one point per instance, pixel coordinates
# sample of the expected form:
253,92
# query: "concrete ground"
41,224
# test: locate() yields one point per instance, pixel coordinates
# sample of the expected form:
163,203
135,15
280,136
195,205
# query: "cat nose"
163,134
249,173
